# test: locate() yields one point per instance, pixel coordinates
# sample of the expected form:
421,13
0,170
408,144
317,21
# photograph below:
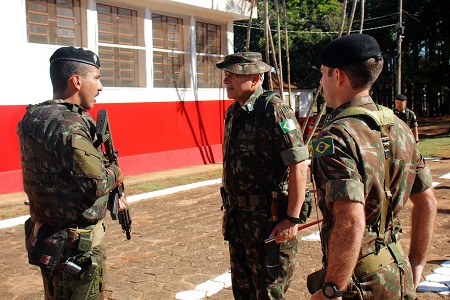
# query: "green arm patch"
288,125
322,147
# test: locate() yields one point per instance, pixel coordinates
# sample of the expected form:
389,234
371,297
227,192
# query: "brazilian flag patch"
322,147
288,125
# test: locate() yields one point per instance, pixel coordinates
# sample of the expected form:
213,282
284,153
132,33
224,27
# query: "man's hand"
284,230
122,202
119,178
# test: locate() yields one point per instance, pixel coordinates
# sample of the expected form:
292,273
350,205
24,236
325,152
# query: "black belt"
248,200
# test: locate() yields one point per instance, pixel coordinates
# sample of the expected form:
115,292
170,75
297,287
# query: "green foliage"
311,24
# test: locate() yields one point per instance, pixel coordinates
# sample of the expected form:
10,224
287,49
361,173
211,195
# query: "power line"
317,32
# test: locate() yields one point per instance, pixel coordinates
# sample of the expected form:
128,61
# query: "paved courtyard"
177,250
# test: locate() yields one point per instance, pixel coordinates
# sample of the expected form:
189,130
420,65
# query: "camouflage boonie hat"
244,63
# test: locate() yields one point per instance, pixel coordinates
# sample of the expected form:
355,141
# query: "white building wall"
25,77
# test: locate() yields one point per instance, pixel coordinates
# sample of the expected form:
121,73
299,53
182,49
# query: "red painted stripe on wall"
149,136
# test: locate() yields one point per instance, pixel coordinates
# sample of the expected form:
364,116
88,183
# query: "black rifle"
104,136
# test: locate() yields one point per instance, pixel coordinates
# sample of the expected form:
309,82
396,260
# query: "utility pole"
399,47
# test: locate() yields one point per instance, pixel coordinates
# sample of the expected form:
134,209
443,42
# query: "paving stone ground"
177,244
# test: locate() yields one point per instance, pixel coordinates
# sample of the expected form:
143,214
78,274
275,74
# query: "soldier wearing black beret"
67,180
406,115
366,166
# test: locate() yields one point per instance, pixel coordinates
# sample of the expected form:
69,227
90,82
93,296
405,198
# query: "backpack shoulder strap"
261,105
384,119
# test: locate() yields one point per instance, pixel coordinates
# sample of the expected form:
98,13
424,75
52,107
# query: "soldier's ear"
256,78
75,80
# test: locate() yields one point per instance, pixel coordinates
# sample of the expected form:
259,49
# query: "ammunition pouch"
87,238
366,266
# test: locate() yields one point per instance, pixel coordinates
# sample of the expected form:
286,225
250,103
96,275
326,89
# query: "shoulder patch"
322,147
288,125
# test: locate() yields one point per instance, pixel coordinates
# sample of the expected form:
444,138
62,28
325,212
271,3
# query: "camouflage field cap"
244,63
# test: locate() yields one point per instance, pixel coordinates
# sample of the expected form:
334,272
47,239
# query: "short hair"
261,77
363,75
62,70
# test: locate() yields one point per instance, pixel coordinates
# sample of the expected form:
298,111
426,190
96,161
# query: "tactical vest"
54,196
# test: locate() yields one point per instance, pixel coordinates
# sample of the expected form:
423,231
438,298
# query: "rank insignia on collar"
322,147
288,125
327,119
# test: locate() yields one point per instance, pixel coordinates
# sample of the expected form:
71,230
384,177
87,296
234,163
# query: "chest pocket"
87,161
246,138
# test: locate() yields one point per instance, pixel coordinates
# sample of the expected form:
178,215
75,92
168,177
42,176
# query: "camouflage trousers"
258,270
58,285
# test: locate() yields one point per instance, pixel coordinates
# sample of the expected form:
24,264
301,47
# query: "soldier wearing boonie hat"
362,186
68,190
255,172
244,63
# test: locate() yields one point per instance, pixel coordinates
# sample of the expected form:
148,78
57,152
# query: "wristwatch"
330,291
293,219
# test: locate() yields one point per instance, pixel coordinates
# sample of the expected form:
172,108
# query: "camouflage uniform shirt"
407,116
280,145
63,173
355,172
259,270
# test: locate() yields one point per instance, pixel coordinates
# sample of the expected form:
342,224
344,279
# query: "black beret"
76,54
350,49
400,97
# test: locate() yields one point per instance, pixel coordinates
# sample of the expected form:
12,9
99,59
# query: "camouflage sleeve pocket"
86,159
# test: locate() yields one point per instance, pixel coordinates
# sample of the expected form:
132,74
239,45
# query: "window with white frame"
54,22
209,48
121,46
170,61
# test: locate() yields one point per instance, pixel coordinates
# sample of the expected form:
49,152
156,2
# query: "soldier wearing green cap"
67,180
264,181
366,166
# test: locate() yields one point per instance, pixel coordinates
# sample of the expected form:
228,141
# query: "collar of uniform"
359,101
250,103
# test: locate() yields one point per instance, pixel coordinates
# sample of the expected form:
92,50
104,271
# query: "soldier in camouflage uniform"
406,115
264,180
363,258
66,176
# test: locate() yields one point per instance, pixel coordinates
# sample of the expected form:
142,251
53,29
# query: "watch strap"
335,294
293,219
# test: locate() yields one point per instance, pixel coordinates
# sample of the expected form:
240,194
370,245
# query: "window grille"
119,48
54,22
168,52
208,53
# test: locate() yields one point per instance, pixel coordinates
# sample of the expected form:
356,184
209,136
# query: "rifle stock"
104,136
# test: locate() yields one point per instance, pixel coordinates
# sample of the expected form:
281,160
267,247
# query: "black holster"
46,252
